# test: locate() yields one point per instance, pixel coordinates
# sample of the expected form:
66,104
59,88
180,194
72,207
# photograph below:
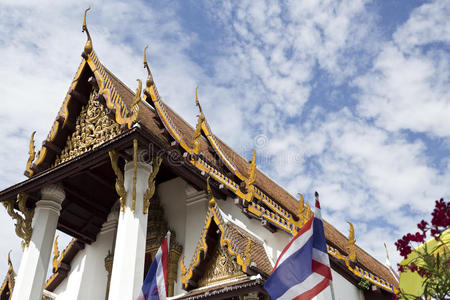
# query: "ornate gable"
65,135
220,267
93,127
223,251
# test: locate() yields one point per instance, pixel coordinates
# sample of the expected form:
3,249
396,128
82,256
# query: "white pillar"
129,252
88,278
34,265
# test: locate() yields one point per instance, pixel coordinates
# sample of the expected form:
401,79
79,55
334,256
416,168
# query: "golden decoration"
250,181
361,273
198,127
220,267
212,201
149,81
184,273
304,214
8,283
23,223
150,191
351,247
31,156
9,259
137,98
93,127
245,259
135,150
55,255
120,186
226,242
252,170
88,45
108,267
156,230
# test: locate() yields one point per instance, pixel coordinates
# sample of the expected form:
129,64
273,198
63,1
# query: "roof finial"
351,243
136,100
31,156
55,254
212,201
88,45
198,102
252,170
9,258
149,77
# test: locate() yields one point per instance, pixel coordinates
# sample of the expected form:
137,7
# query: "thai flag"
303,269
155,283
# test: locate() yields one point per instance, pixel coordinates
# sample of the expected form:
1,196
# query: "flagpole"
332,290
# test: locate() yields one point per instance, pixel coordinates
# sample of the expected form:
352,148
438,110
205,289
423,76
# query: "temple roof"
262,198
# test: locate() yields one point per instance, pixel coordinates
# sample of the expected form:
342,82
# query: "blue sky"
347,98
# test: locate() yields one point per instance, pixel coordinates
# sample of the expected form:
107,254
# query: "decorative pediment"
223,251
220,267
93,127
157,228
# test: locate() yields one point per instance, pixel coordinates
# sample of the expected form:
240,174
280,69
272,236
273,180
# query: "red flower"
422,226
412,267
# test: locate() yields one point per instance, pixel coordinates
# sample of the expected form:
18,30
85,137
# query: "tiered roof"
258,195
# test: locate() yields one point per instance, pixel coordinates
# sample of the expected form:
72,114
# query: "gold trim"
243,257
361,273
120,187
135,150
150,191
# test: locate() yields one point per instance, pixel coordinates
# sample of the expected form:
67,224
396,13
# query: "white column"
34,265
129,252
87,280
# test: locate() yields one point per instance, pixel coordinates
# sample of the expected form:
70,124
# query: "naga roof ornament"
303,214
351,247
88,46
56,254
149,81
198,127
137,98
31,156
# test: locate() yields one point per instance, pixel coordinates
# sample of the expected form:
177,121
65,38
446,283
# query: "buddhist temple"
119,169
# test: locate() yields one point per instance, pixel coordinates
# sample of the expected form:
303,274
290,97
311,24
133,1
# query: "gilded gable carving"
157,228
93,128
220,267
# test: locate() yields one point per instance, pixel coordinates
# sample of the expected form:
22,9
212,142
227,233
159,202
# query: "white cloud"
407,87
